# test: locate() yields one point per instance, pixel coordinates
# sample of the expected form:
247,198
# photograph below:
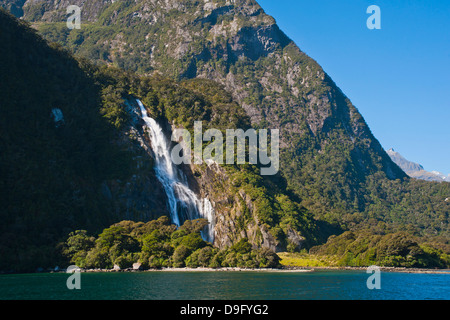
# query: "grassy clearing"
305,260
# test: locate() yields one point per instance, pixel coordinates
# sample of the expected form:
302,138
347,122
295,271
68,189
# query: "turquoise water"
318,285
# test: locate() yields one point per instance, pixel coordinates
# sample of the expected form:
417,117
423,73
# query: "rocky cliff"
331,165
323,136
63,166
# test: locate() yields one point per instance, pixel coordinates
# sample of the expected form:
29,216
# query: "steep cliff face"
57,10
69,161
236,215
96,174
323,136
245,204
63,166
140,197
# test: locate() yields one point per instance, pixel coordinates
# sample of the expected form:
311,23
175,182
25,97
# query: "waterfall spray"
183,202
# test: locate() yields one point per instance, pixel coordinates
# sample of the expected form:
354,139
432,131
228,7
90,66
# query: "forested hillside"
76,156
329,157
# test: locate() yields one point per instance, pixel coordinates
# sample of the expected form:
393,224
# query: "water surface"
318,285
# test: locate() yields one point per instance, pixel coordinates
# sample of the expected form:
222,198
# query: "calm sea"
318,285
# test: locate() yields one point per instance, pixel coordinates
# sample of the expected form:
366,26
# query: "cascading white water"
207,212
183,202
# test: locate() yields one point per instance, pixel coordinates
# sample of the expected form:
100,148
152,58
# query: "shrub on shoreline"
158,244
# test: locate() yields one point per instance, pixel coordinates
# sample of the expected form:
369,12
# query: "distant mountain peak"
404,164
415,170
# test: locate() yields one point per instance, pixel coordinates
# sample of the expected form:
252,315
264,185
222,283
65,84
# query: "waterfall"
207,212
183,202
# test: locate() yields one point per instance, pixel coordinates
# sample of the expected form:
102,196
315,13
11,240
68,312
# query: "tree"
179,256
205,256
242,246
267,258
193,241
194,226
98,258
77,246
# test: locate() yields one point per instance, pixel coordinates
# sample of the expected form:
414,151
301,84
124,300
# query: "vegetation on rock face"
50,172
56,179
329,157
182,103
158,244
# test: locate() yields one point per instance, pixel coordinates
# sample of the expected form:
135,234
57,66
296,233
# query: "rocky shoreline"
202,270
288,269
237,269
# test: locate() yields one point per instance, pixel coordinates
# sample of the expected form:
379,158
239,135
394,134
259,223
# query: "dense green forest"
187,101
50,174
399,249
329,158
158,244
53,175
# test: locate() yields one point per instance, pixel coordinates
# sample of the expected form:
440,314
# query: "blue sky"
398,77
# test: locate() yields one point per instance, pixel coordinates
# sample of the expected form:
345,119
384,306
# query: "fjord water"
242,285
183,202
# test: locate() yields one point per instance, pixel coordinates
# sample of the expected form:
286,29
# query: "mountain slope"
76,155
404,164
329,157
323,135
63,164
330,162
